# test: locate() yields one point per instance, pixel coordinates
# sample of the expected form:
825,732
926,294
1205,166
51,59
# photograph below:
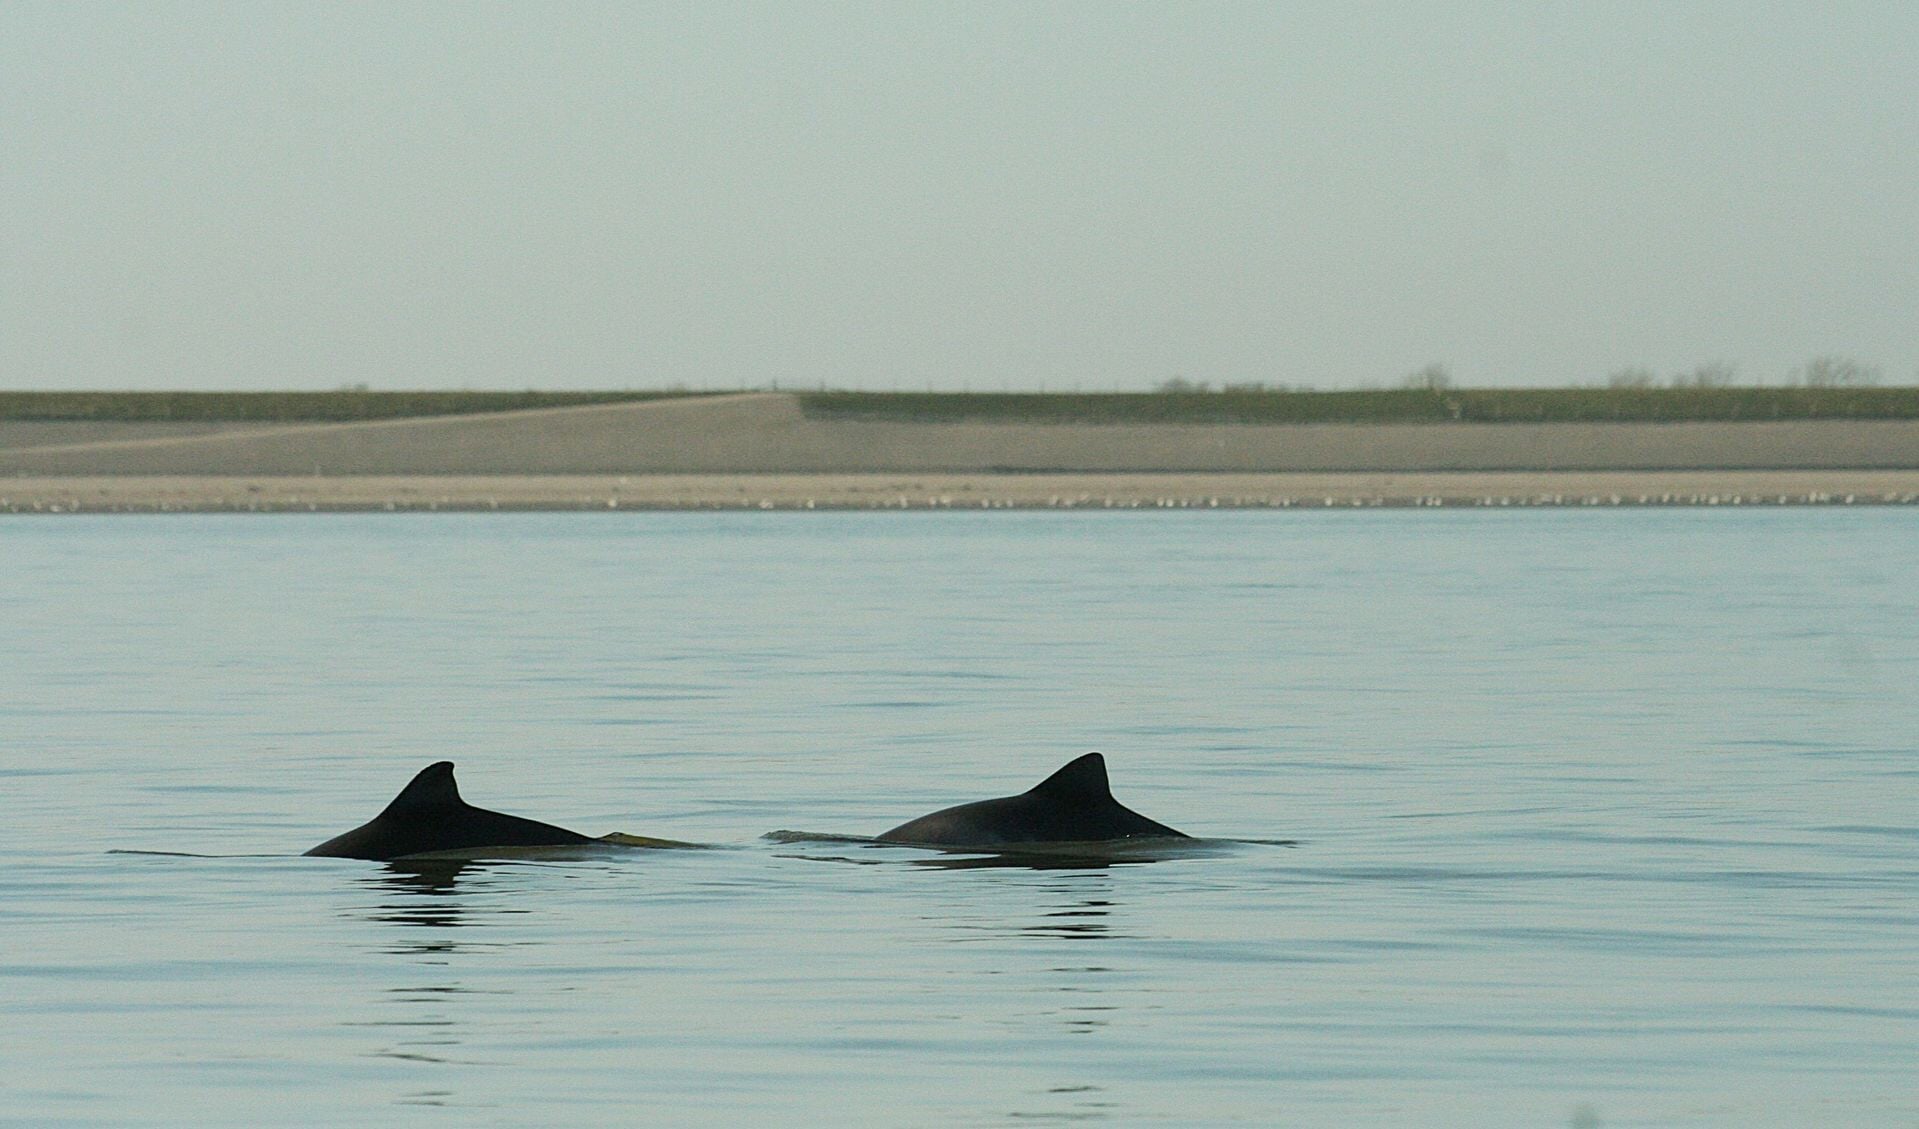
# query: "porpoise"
429,815
1074,805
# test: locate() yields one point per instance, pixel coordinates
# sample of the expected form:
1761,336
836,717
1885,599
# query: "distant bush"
1836,372
1180,386
1432,378
1711,374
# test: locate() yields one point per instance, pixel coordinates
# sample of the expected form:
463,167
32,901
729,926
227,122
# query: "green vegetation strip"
1405,405
1399,405
287,407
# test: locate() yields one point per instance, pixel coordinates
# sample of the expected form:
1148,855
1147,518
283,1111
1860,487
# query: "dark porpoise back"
429,815
1074,805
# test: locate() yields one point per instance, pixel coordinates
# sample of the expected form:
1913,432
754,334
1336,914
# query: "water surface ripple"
1603,817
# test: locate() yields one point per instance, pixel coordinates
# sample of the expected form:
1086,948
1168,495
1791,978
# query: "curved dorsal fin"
1083,780
433,787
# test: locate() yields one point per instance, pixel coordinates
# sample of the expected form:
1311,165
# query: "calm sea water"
1605,818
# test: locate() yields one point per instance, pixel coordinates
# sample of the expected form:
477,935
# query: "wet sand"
679,492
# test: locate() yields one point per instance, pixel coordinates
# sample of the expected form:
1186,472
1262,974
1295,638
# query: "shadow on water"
1084,920
440,894
426,898
1079,991
422,892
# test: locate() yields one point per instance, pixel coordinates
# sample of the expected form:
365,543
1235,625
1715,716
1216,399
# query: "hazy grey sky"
984,195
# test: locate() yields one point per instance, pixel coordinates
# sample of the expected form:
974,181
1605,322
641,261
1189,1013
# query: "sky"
959,196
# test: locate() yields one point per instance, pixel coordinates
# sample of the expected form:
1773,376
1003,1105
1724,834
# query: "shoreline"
145,494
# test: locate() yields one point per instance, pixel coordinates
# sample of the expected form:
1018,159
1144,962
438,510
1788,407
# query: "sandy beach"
425,493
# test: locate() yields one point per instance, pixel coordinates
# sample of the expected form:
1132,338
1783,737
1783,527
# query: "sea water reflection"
428,1010
422,893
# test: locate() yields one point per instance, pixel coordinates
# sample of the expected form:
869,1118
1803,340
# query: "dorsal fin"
433,787
1083,780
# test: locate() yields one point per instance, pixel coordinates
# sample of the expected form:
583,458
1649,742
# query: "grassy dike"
1488,405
